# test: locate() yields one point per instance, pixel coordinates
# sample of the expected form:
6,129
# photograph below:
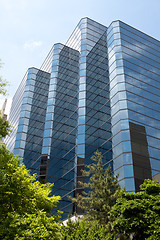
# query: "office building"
99,90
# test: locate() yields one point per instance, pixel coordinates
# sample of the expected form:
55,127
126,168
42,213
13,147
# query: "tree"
138,214
4,127
25,203
101,191
82,230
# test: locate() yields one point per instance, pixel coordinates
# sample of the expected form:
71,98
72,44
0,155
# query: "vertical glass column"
48,127
59,140
29,135
25,113
46,146
87,143
122,156
91,32
98,113
82,92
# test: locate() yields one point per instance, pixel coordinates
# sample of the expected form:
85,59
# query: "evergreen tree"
101,191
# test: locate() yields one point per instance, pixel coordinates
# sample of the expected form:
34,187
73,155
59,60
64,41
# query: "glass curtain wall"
121,145
15,114
98,112
28,144
141,59
134,66
59,141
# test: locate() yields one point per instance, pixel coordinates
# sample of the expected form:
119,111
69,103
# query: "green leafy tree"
4,127
84,230
26,204
101,190
138,214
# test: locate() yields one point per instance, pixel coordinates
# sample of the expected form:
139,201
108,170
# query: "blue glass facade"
99,90
134,62
59,140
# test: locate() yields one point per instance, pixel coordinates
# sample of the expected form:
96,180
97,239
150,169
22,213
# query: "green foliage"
84,230
103,189
25,203
2,86
138,214
3,83
4,127
31,226
21,190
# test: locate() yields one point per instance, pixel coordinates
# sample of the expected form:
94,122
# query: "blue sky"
29,28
